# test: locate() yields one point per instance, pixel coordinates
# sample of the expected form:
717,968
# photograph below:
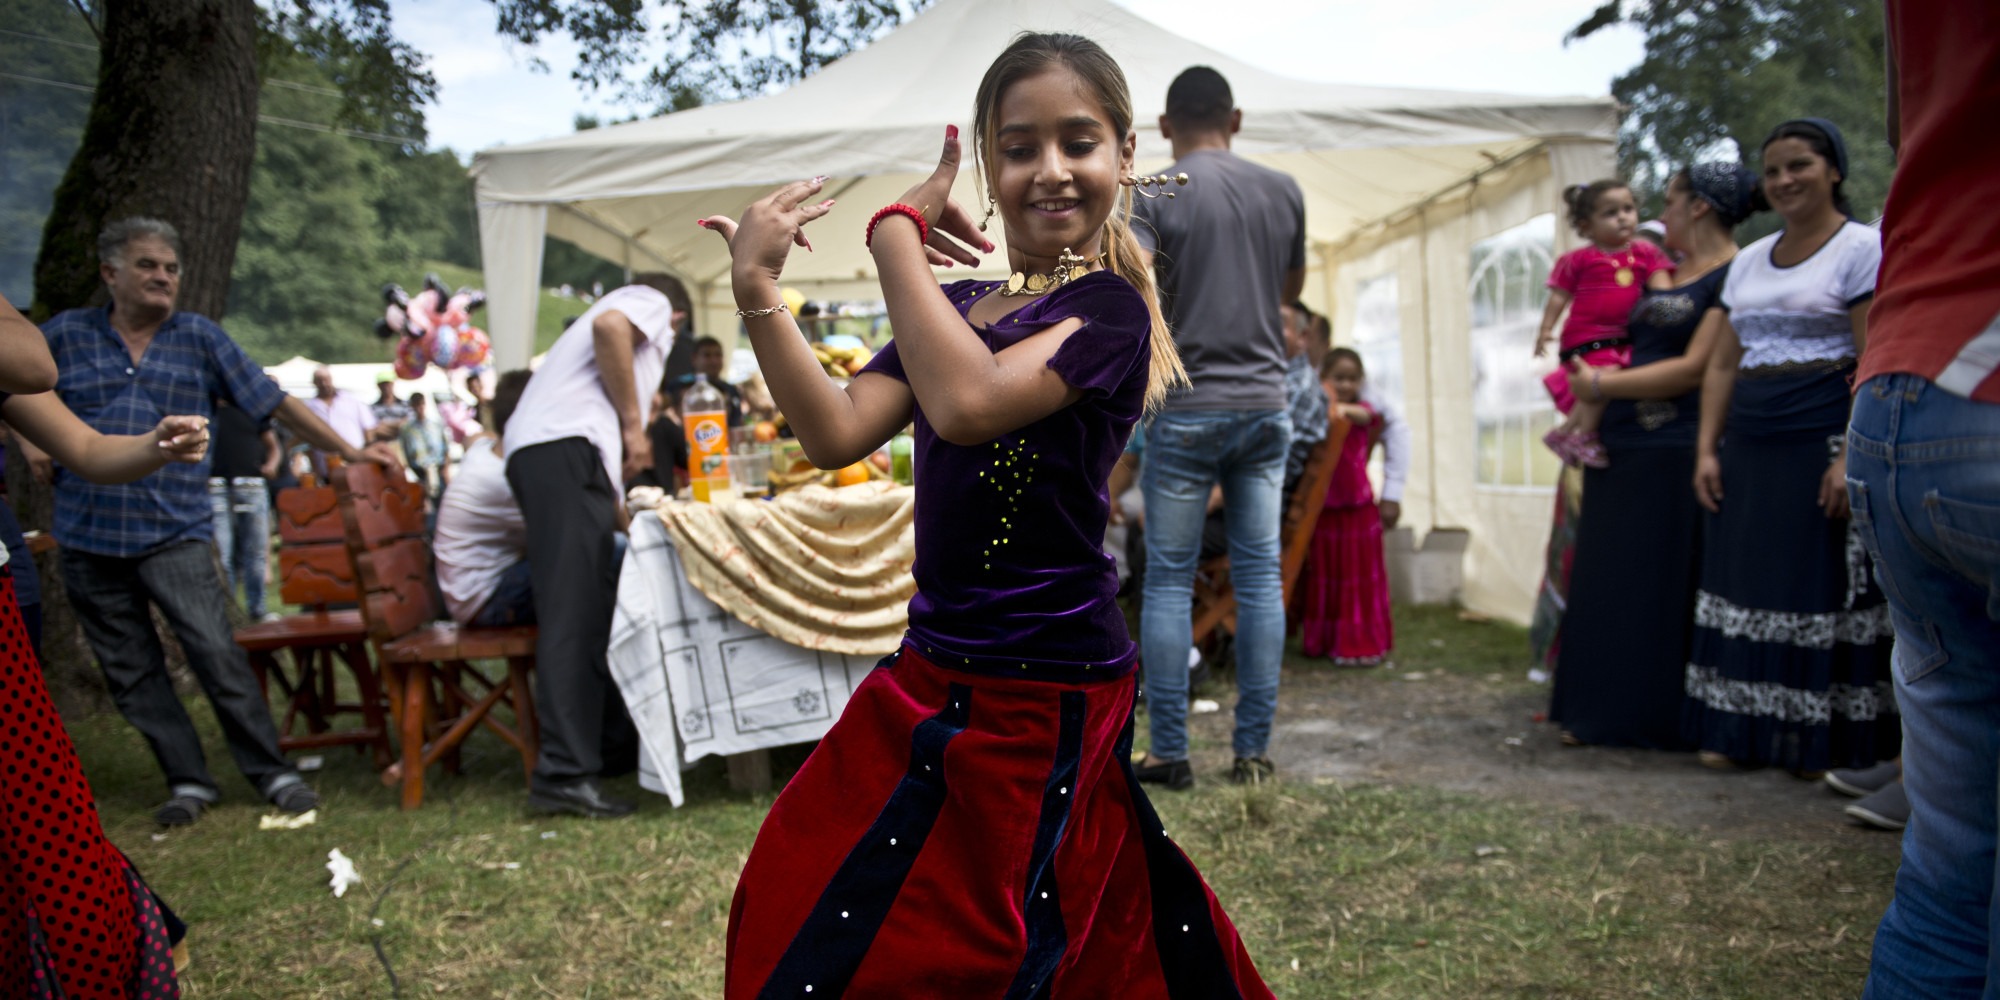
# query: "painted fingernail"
821,179
827,203
951,133
989,246
703,223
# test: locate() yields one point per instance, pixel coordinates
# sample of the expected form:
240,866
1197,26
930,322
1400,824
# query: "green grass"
1371,891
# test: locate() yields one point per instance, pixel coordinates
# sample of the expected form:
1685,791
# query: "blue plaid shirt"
188,365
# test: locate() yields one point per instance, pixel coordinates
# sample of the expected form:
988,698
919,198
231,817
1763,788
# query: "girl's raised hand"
760,243
947,218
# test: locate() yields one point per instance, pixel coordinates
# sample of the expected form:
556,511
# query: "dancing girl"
972,825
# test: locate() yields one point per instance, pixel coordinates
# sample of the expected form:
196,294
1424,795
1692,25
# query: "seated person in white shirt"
481,542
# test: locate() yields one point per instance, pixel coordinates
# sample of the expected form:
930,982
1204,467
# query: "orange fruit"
853,475
765,431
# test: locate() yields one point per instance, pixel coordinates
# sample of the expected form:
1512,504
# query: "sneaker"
1887,809
1862,782
295,798
1253,771
1175,774
181,810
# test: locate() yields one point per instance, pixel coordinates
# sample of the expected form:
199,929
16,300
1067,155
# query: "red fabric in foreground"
957,929
56,869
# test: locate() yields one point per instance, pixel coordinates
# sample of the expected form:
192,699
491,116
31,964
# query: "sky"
489,92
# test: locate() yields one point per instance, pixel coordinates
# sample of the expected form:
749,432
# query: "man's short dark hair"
707,341
673,289
507,395
112,241
1200,98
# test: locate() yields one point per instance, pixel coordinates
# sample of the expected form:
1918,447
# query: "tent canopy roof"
874,123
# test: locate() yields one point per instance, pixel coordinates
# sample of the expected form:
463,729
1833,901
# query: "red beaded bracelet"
923,228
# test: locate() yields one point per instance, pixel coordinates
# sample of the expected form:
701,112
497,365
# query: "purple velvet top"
1011,571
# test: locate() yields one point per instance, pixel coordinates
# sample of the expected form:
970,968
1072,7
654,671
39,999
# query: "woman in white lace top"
1790,660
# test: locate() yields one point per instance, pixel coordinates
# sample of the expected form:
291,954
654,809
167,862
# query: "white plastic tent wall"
1369,159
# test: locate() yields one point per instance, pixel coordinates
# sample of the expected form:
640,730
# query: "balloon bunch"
433,327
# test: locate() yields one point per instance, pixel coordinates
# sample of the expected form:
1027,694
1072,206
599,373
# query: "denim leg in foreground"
1186,455
1924,479
1253,510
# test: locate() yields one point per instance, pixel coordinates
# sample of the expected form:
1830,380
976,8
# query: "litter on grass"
284,821
342,869
1203,706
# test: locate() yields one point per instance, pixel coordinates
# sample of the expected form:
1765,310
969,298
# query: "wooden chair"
1215,596
444,696
314,572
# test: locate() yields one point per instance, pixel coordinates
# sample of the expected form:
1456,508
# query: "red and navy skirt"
970,836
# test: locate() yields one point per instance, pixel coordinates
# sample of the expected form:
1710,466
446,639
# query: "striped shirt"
189,364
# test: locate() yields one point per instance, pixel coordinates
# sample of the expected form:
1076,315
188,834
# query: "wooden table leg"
416,684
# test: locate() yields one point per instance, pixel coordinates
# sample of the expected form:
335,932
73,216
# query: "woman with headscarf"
1790,665
1623,658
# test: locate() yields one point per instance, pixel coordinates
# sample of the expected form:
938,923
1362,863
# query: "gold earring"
991,207
1146,183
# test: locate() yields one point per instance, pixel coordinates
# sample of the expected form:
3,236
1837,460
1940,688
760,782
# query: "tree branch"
87,19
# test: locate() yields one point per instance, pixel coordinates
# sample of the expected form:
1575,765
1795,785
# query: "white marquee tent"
1380,167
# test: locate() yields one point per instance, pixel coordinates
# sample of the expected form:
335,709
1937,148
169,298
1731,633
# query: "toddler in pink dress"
1599,283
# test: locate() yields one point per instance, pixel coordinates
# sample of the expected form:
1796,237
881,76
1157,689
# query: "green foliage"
50,58
334,216
1718,72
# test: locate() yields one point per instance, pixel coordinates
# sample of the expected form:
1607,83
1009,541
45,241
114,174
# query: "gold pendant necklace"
1069,267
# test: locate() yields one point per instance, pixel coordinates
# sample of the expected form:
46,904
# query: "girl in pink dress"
1599,283
1344,611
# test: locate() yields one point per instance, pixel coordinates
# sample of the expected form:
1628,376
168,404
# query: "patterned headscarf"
1726,187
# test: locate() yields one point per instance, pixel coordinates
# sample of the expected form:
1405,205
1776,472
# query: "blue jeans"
240,509
1186,455
1923,474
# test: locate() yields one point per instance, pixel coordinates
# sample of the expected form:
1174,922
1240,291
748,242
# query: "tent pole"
1430,353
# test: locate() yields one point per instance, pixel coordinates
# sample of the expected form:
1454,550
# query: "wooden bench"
316,572
1215,595
444,696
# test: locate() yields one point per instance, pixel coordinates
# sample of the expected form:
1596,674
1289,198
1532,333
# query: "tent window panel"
1378,335
1510,408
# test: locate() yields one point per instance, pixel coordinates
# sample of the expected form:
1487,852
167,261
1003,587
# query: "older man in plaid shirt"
148,543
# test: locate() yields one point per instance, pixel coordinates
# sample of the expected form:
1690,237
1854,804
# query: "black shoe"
578,798
1177,775
181,810
1253,771
295,798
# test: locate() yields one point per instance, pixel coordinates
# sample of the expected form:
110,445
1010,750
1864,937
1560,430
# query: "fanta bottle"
705,412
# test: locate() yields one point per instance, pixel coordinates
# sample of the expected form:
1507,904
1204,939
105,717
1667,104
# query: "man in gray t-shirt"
1229,250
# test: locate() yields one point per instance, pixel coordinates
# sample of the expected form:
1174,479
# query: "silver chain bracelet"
754,313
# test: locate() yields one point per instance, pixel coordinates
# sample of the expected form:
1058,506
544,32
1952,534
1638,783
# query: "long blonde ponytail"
1124,258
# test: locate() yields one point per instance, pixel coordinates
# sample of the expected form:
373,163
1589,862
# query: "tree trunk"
172,134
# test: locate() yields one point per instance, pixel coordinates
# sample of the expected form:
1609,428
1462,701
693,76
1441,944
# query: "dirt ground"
1478,734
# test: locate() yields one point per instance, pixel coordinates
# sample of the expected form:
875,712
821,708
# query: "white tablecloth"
699,682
